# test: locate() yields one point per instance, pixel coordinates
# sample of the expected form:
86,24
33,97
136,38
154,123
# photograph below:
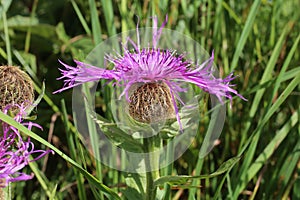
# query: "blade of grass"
220,186
40,177
124,14
253,139
287,174
217,116
283,69
273,24
271,147
96,28
73,154
288,170
259,94
3,53
224,45
93,134
168,171
257,43
209,20
232,13
246,31
7,40
81,18
28,34
196,182
111,29
26,66
109,16
290,74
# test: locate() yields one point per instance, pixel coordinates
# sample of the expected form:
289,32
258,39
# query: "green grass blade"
96,28
41,178
7,40
28,34
288,171
26,66
232,13
73,153
270,149
93,134
81,18
254,138
109,16
246,31
259,94
196,182
284,68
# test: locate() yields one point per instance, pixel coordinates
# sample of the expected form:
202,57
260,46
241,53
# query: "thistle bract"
16,88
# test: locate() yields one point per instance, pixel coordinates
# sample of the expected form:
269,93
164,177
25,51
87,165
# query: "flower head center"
151,103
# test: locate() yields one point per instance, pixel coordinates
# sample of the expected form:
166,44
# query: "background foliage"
258,40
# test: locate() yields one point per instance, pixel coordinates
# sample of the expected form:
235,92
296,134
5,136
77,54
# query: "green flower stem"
168,169
152,166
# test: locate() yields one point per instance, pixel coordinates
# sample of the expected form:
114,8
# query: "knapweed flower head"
16,88
15,152
151,78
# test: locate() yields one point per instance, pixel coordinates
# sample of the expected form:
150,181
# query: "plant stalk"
152,166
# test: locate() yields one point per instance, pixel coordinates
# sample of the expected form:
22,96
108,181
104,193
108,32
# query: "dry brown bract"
16,88
151,103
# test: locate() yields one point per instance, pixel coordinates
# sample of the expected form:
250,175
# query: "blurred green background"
258,40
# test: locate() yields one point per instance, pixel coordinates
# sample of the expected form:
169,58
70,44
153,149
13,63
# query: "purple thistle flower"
14,151
163,69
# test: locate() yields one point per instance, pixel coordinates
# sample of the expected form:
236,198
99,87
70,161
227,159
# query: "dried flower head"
16,88
151,78
15,151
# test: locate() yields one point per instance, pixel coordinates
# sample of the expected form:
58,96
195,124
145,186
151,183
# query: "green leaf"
182,179
19,21
131,193
119,137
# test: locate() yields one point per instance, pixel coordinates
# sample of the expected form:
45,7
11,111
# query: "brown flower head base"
16,88
151,103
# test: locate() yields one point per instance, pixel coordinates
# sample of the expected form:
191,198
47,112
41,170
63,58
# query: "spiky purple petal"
15,151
